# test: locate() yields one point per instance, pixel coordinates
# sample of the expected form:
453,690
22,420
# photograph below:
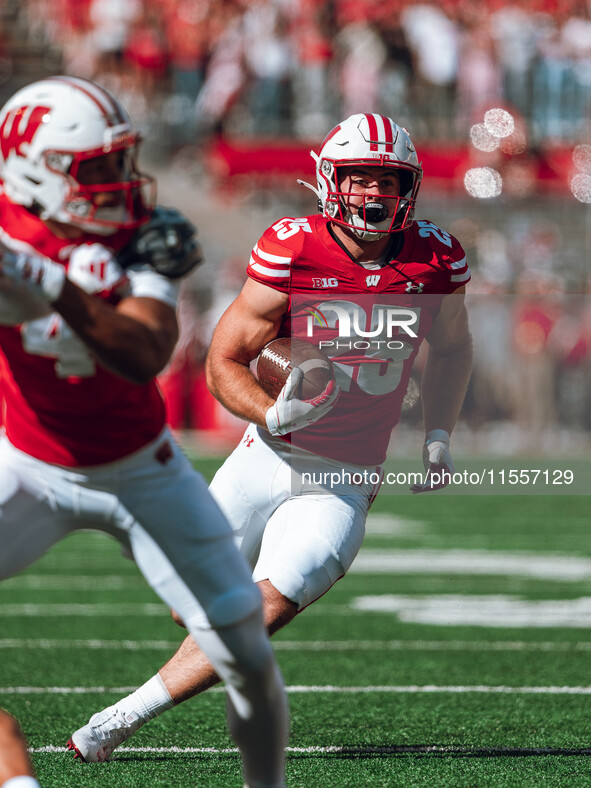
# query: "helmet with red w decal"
68,153
366,140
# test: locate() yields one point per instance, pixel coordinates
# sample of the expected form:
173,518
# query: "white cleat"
105,731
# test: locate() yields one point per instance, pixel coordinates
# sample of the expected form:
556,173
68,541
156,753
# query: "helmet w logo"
19,127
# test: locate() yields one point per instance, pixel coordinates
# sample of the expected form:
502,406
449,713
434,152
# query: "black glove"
168,243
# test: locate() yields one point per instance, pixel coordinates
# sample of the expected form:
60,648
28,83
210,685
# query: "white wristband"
437,435
272,421
53,280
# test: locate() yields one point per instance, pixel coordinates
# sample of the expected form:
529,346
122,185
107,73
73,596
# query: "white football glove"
43,274
95,270
289,413
437,461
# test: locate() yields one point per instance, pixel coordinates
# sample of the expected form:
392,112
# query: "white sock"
149,700
21,782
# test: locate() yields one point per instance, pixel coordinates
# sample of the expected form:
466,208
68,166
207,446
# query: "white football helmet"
47,129
367,140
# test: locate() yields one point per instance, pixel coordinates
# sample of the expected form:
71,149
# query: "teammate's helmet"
368,140
47,130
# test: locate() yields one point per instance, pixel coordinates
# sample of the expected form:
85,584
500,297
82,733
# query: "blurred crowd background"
295,67
231,95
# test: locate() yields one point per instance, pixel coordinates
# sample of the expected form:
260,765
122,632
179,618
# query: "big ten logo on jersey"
287,227
368,342
324,281
19,127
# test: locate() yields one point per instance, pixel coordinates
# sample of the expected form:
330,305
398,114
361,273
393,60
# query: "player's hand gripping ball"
300,378
281,356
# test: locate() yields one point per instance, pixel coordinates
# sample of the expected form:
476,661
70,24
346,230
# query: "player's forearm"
14,757
444,384
234,385
123,344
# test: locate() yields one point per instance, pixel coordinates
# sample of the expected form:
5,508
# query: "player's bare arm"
449,363
135,339
251,321
92,265
14,757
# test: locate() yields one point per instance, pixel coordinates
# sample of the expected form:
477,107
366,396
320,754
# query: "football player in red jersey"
86,443
391,282
16,769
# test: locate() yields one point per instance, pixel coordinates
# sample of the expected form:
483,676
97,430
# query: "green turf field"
457,652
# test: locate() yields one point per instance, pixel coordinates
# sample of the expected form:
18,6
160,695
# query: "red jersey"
369,320
60,405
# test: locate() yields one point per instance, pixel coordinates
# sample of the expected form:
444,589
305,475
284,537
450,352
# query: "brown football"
277,359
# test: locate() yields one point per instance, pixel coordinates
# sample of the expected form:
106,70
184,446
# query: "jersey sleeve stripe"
459,264
271,258
273,272
461,277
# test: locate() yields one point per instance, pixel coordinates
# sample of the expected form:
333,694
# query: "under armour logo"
410,288
249,442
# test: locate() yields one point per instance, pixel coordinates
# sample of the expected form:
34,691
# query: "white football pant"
155,502
301,537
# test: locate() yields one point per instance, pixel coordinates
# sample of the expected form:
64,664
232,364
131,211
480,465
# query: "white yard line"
296,689
548,566
73,583
377,749
63,610
552,566
94,644
482,610
91,644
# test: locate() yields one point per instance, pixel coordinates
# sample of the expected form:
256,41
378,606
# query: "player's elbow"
210,373
458,347
142,366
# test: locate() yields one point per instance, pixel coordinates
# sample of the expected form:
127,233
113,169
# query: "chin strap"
361,230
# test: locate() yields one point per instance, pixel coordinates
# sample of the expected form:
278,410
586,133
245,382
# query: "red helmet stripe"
329,136
383,136
373,132
389,135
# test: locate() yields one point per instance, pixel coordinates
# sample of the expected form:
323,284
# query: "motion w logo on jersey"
19,128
